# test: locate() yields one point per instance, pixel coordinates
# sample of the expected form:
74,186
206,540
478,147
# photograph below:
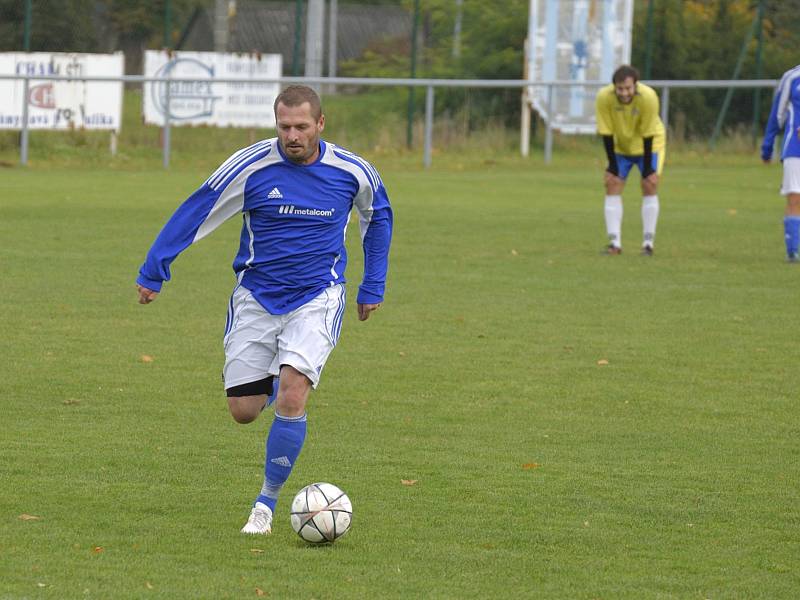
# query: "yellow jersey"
629,123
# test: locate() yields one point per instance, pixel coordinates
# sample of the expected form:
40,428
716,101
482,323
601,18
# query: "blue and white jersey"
294,223
785,116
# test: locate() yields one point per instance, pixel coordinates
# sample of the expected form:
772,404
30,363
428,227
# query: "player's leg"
791,220
650,203
305,342
284,443
791,227
614,186
250,348
285,439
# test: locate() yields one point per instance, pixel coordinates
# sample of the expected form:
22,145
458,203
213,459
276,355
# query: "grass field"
578,426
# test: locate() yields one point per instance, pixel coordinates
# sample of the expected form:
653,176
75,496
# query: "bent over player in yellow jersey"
633,134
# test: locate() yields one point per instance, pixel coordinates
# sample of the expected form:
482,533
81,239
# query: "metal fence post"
665,107
428,126
23,137
548,134
333,34
525,126
166,130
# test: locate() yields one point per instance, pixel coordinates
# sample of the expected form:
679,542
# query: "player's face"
625,90
298,132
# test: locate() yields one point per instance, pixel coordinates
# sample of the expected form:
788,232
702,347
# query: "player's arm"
606,131
178,233
199,215
375,220
650,126
648,157
772,128
608,144
218,199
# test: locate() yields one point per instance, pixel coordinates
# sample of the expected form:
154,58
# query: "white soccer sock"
649,219
613,209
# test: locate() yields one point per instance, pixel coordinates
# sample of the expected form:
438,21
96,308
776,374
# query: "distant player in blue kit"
785,118
295,193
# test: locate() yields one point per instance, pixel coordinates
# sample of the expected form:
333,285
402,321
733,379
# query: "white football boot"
260,521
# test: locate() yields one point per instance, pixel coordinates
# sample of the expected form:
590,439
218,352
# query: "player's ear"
321,123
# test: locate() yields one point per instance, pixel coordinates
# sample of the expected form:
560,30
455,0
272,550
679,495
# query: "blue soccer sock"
791,229
284,442
276,382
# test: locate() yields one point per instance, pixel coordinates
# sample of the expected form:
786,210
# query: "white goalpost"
572,41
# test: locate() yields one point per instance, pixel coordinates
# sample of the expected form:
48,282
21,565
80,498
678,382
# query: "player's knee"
614,188
245,409
288,408
291,402
649,187
246,401
293,393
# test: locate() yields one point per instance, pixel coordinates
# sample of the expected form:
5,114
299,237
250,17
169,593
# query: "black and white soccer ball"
321,513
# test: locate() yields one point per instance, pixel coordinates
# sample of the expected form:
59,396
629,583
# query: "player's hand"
364,310
146,296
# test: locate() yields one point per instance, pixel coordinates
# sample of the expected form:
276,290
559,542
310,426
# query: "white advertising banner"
54,104
575,40
202,101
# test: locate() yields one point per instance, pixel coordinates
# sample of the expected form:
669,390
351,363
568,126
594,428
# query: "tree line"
688,39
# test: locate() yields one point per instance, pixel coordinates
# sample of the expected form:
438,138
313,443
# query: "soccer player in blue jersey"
295,193
785,118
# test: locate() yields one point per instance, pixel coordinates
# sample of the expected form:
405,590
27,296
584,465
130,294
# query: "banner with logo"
54,104
575,40
199,100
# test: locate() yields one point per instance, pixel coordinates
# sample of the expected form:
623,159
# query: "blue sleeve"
177,235
376,242
772,129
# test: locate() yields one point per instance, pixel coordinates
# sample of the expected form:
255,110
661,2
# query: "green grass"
672,471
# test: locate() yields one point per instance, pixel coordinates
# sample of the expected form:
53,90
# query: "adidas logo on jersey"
282,461
275,193
289,209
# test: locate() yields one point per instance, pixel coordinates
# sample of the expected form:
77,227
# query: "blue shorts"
625,164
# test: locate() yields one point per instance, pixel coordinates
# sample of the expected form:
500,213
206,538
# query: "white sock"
613,209
649,219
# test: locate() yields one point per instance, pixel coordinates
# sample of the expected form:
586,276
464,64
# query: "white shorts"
257,343
791,176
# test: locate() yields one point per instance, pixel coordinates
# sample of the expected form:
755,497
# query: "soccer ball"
321,513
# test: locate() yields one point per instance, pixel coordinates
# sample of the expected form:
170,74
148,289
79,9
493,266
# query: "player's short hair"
295,95
624,72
